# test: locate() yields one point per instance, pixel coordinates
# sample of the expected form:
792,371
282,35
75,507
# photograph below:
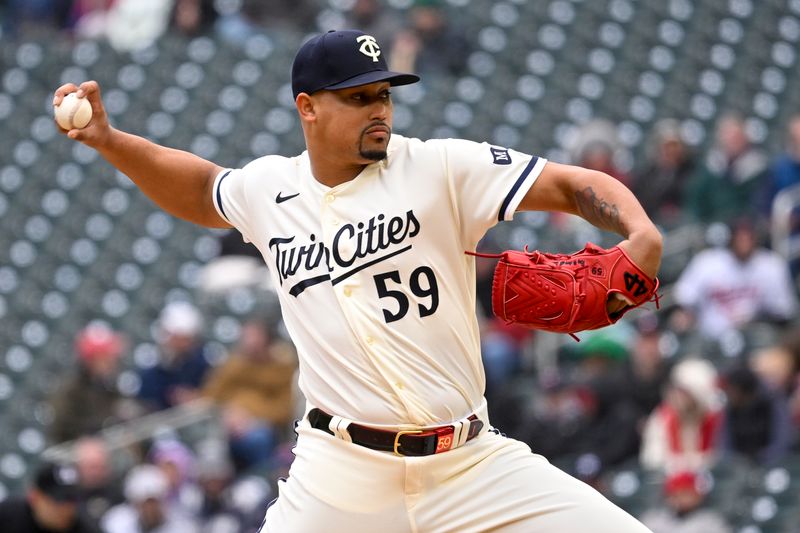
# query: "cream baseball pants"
491,484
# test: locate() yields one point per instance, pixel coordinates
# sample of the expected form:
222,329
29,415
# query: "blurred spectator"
683,432
126,24
239,264
98,486
583,420
228,504
727,183
50,506
137,24
596,145
785,170
29,19
145,510
784,178
182,365
215,474
254,387
176,460
778,367
239,21
611,433
89,18
731,287
684,511
89,400
660,184
374,18
756,422
193,17
645,374
429,45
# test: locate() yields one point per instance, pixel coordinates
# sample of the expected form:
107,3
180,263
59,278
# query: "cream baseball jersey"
375,288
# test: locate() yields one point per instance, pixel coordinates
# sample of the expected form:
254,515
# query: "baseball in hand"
73,112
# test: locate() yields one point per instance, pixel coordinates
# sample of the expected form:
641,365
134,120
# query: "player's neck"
332,173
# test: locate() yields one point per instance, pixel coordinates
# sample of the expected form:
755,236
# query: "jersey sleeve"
488,183
231,201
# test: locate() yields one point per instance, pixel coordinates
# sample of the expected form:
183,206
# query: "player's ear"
306,108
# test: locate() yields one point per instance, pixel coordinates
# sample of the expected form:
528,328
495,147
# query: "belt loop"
461,433
338,426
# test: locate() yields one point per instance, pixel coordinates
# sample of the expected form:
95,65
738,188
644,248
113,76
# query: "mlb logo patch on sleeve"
501,156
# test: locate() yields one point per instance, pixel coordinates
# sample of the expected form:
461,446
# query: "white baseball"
73,112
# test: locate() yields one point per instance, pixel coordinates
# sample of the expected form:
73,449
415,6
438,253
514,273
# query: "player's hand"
644,249
98,130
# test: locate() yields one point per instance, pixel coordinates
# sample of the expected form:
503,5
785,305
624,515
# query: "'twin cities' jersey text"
374,286
368,239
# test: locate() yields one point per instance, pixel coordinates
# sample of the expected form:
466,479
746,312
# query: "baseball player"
365,234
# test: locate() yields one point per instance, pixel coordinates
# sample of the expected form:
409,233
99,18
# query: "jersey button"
329,198
347,291
369,340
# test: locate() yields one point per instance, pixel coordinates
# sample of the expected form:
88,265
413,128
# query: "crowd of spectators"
220,482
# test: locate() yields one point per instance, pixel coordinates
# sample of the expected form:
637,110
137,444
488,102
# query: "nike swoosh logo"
280,199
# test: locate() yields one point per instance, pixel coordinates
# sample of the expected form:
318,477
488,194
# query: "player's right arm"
178,182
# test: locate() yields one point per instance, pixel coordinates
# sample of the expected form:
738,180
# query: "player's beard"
372,154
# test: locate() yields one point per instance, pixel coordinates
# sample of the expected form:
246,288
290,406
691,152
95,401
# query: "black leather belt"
413,443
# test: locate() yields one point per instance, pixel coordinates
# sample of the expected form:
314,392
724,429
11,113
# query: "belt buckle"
400,434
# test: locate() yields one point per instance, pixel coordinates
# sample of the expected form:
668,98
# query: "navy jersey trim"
515,188
219,195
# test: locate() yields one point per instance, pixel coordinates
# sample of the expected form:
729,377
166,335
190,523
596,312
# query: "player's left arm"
604,202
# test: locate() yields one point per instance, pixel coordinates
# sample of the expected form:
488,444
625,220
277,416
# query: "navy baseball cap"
59,482
341,59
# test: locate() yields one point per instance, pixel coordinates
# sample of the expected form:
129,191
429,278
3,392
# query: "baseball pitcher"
365,236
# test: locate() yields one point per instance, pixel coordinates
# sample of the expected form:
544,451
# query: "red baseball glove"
567,293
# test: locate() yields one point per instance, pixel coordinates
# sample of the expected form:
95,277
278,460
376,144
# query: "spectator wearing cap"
182,365
51,504
683,512
145,510
89,400
683,432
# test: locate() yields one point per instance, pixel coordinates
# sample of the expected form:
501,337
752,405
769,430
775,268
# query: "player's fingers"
62,91
615,304
91,91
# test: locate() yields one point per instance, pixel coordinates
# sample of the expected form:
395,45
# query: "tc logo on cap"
369,47
66,475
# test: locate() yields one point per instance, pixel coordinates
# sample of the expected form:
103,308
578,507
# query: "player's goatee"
373,154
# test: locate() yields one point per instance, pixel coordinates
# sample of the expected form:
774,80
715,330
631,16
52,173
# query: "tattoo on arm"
599,212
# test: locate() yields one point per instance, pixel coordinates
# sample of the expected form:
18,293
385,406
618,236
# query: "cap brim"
65,495
394,79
